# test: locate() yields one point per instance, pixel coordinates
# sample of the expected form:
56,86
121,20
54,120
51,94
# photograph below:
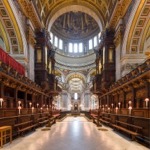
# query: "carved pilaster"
108,59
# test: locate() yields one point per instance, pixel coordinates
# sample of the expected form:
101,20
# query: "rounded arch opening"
66,9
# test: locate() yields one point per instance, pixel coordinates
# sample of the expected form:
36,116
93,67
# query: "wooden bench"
51,121
24,126
5,132
93,115
56,115
130,129
43,120
95,119
105,120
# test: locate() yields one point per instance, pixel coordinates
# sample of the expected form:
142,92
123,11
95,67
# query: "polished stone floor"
74,133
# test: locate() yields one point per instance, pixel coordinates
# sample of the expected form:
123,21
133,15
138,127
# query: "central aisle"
74,133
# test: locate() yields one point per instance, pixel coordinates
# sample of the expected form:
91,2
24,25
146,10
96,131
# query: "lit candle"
1,102
37,105
116,110
41,109
119,104
112,105
30,104
146,100
32,110
130,108
19,102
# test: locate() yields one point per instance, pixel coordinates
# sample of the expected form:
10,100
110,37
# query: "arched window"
56,41
60,44
51,35
70,47
90,44
75,48
99,35
95,41
80,47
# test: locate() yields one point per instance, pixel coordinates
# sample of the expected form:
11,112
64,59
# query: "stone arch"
61,73
66,9
89,74
138,28
76,75
128,28
5,37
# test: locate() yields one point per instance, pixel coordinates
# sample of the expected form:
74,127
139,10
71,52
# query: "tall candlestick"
19,102
116,110
108,109
112,105
130,103
119,104
146,100
130,108
47,107
1,102
30,104
37,105
19,108
32,110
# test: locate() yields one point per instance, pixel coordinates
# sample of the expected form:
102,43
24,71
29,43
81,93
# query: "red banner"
5,58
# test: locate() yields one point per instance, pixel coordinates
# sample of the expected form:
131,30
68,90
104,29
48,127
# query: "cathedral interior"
78,70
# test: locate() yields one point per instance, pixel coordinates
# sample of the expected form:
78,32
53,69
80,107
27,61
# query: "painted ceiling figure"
75,25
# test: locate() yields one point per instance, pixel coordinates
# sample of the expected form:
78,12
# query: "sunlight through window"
70,47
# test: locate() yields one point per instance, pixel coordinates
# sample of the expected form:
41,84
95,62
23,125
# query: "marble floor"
74,133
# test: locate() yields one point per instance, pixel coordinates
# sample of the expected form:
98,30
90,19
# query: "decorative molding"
30,35
29,10
139,28
118,35
118,12
18,47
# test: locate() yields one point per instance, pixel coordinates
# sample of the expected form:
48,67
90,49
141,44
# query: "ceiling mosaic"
75,26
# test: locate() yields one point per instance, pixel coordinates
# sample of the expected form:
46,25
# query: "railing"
134,73
5,58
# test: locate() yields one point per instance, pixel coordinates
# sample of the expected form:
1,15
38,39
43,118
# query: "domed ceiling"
75,26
